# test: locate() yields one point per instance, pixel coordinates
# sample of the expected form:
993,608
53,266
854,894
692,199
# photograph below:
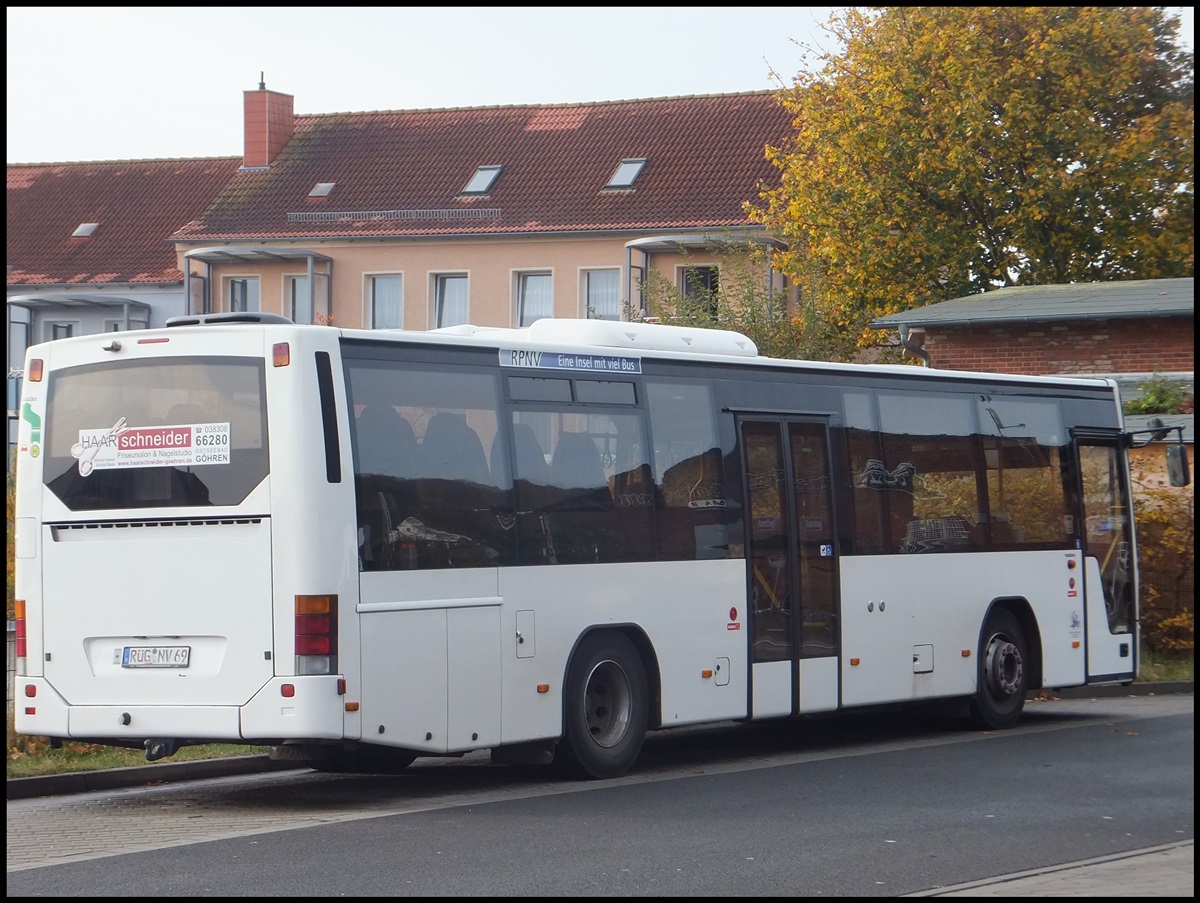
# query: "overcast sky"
121,82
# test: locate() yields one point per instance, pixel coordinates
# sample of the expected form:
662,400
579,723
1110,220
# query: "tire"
1003,676
605,708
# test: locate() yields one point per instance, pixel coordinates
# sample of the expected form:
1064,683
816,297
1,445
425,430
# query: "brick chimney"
270,124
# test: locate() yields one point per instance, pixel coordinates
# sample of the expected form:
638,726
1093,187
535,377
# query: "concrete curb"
164,772
138,775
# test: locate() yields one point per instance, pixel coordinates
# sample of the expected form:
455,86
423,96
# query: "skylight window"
321,190
84,230
482,181
626,172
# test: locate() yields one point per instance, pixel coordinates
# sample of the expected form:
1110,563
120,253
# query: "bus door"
792,598
1110,558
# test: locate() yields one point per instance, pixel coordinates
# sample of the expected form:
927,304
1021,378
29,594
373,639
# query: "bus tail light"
281,354
316,634
36,366
22,642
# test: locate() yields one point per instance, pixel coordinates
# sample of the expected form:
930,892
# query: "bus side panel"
431,648
682,607
896,618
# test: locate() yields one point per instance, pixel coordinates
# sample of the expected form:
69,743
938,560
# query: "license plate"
155,656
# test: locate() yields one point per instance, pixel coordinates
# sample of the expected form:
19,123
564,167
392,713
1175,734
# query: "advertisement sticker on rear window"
122,445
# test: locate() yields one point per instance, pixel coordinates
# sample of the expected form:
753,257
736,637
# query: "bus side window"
387,451
452,450
690,516
576,467
386,442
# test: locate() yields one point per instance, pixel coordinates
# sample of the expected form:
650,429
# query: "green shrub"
1160,395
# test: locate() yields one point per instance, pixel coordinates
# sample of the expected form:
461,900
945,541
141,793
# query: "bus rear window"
155,434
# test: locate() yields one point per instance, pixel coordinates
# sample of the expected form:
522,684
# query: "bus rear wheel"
1003,678
606,708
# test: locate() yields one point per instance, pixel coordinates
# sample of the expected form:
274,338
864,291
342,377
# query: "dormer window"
84,230
482,181
321,190
628,170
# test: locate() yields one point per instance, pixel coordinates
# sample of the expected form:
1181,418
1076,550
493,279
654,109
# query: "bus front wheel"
606,708
1003,678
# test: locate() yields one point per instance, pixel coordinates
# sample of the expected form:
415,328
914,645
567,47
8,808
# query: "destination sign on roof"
559,360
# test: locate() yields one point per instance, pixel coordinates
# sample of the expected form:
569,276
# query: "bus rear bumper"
39,710
42,712
295,708
313,711
139,722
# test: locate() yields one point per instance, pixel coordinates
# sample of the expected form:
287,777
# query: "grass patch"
32,756
1156,666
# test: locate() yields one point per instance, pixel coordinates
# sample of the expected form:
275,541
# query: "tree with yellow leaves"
949,150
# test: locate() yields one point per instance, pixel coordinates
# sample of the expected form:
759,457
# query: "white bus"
361,547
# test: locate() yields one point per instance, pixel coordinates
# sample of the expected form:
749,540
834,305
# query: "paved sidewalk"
1165,871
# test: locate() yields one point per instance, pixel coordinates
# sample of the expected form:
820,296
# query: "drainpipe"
906,339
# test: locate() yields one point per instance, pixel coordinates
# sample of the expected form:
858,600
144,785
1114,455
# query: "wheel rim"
608,704
1005,667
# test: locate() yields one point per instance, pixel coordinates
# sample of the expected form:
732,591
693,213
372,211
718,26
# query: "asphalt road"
167,771
864,806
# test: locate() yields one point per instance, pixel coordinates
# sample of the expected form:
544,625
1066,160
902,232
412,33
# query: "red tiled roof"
400,172
137,203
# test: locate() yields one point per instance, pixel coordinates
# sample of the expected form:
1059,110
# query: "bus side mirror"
1178,472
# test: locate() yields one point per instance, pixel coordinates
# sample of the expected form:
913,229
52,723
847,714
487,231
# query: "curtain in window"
537,301
452,300
387,302
604,295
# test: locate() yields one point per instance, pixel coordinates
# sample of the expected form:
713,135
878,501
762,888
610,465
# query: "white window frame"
119,325
585,299
292,297
685,288
438,283
49,326
230,281
370,300
522,281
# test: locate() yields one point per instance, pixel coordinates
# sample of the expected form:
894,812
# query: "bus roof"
678,343
654,340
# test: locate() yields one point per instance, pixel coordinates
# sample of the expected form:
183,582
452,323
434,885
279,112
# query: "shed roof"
1044,303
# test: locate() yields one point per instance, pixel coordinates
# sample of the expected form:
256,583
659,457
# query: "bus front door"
791,567
1110,560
